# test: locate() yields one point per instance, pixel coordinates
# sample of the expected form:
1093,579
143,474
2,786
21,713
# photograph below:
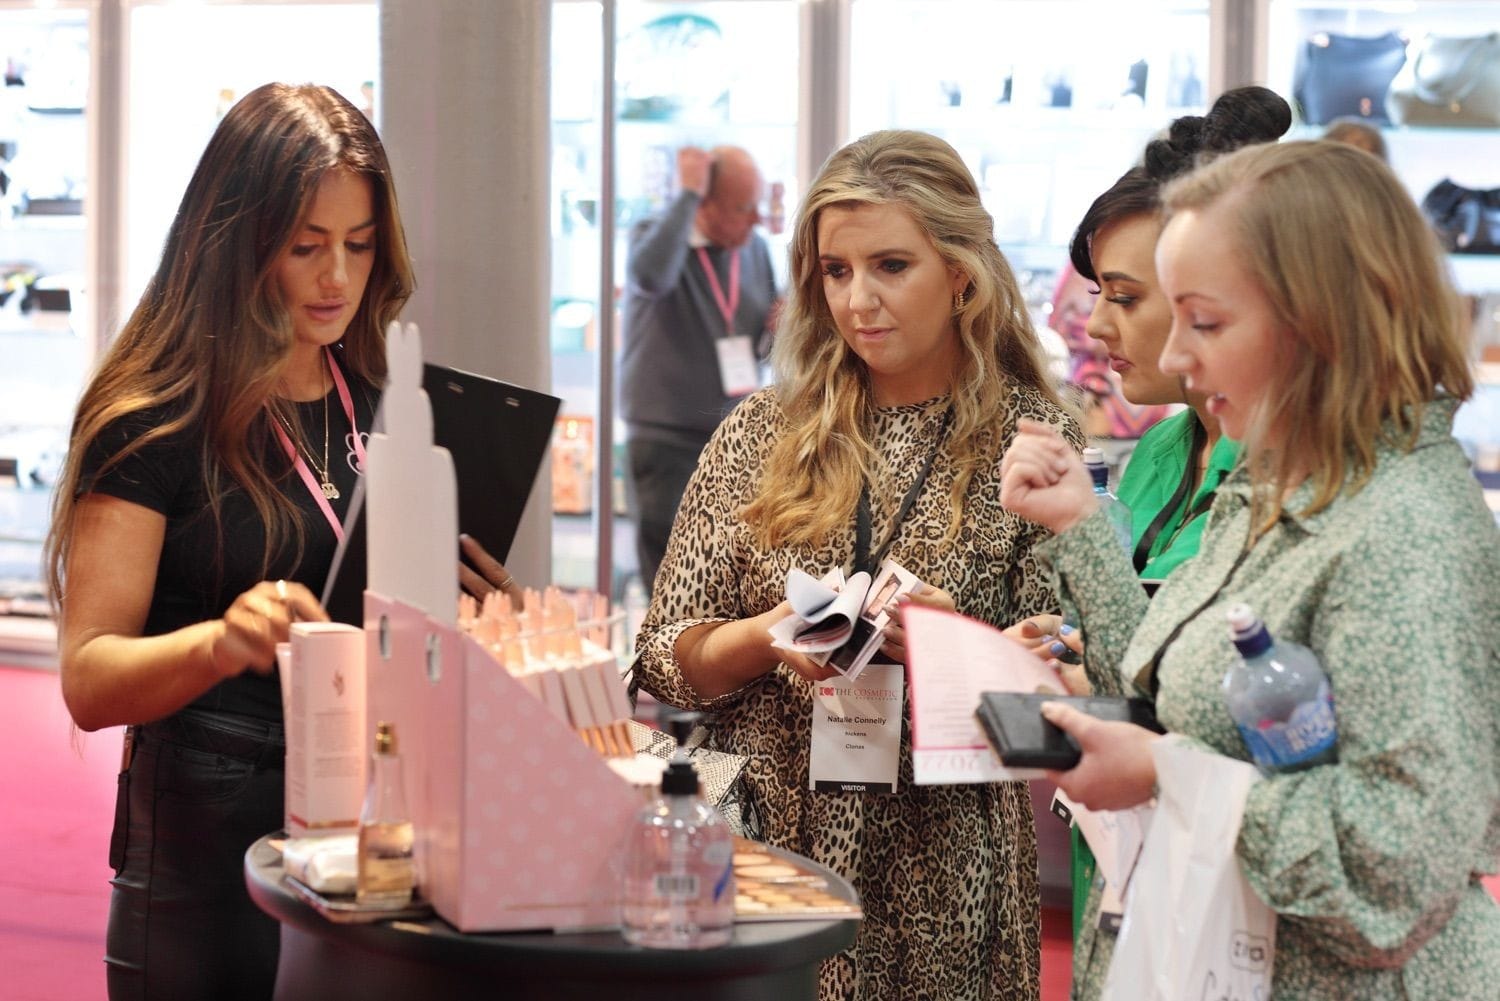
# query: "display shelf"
1422,156
1476,273
44,223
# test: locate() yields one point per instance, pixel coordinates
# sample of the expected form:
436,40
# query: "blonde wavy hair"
211,336
815,471
1374,330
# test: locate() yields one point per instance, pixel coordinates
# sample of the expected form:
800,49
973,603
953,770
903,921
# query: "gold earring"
958,301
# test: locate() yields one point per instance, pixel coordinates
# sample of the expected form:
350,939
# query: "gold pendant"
330,491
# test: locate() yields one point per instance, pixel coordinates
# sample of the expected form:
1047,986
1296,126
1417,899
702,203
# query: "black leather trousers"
199,789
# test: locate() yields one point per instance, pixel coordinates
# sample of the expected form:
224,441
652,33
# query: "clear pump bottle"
679,875
387,870
1279,697
1114,508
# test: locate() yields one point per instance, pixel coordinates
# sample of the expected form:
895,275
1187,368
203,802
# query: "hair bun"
1240,117
1244,116
1166,158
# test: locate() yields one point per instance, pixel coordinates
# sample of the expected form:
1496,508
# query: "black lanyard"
1146,678
1142,554
863,529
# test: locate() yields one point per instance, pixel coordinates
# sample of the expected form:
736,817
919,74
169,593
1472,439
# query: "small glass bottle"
1114,508
387,869
679,875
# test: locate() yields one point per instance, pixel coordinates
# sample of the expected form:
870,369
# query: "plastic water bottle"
1279,698
1114,508
679,875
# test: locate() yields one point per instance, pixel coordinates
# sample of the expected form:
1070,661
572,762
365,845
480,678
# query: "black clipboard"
498,435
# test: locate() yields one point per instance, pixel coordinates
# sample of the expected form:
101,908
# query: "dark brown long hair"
211,337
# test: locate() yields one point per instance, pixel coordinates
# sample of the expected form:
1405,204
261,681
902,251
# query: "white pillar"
463,112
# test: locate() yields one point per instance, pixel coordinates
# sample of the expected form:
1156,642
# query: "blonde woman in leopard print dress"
905,339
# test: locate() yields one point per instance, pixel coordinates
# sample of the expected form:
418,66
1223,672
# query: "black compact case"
1014,725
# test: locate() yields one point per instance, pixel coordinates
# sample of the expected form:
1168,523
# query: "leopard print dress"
947,874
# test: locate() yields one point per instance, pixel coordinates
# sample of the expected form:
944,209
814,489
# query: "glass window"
698,74
46,333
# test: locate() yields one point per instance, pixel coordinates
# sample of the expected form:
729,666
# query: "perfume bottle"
679,875
387,870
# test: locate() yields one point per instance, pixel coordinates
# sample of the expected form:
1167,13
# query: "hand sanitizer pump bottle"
679,875
1279,697
1114,508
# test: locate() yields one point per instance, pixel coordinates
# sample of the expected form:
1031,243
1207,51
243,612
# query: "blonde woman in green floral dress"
1311,304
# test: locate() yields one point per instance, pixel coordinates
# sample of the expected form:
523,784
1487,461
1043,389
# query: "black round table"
428,958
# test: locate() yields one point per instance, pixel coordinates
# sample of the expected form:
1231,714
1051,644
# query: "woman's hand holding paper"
927,596
1043,635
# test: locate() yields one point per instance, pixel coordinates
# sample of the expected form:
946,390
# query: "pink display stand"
519,823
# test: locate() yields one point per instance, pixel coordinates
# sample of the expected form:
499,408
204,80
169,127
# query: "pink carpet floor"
57,793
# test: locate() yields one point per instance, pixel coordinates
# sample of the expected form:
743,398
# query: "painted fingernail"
1057,649
1066,629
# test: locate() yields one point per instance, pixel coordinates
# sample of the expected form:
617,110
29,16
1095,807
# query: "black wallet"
1014,725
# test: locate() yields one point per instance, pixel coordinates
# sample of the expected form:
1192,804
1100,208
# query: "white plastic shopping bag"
1193,927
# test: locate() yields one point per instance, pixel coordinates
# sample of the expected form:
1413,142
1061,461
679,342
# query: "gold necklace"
326,484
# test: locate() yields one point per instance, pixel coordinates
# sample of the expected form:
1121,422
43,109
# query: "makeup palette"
771,885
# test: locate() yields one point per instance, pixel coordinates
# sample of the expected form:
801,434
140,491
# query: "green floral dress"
1373,864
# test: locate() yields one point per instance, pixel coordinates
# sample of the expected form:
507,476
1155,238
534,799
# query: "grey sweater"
669,374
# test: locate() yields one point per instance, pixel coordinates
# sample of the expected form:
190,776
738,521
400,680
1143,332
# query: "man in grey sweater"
698,301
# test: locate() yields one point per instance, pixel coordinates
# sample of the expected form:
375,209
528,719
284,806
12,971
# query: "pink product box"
518,822
326,744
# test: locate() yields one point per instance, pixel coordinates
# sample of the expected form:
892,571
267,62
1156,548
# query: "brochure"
950,661
841,622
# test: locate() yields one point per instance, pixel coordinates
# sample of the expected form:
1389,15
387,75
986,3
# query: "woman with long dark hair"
212,458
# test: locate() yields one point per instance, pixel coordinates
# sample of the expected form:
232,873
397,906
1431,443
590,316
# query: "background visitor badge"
738,371
856,731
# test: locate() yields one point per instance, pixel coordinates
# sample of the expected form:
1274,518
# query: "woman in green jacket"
1173,472
1179,463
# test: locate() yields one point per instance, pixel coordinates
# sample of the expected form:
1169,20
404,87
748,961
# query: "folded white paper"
328,865
825,609
837,622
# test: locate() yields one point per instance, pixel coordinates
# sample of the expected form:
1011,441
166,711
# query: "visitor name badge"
738,371
856,731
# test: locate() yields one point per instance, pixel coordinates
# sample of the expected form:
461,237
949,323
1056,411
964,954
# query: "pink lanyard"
313,487
729,305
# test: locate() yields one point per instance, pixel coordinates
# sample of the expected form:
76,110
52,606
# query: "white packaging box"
325,729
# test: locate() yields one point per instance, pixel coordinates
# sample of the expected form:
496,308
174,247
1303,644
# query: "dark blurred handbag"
1467,221
1449,81
1340,75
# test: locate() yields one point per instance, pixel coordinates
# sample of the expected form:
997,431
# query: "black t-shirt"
206,564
